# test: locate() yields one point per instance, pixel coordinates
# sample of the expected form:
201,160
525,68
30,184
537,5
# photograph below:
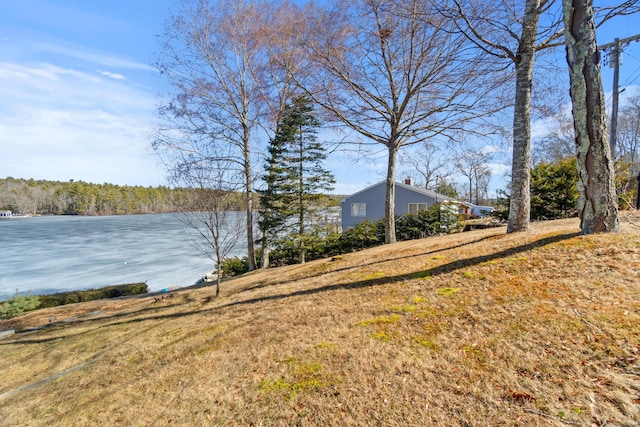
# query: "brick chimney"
408,181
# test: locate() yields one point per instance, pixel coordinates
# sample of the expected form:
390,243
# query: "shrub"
322,242
18,304
72,297
433,221
502,206
234,266
364,235
553,189
626,182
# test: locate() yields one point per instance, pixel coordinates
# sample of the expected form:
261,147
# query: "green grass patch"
325,345
381,336
374,275
135,359
407,308
427,343
445,292
475,355
209,347
380,320
301,376
428,313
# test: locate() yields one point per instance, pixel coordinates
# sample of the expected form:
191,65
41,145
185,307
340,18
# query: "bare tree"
505,30
229,64
210,206
232,65
629,133
473,165
428,162
286,67
395,72
597,200
558,144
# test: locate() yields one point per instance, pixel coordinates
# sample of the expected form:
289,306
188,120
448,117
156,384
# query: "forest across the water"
41,197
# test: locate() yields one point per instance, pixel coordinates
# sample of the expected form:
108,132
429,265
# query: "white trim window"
417,207
359,210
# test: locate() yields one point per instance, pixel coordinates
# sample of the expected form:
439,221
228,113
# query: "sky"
78,93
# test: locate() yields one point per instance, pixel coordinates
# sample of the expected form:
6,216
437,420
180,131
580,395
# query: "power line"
631,77
615,53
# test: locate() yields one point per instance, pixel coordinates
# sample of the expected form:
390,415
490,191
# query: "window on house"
417,207
359,209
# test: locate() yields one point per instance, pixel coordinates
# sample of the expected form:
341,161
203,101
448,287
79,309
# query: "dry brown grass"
474,329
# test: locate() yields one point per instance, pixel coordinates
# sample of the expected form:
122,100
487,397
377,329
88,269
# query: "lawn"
473,329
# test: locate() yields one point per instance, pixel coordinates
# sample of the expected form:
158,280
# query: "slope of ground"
473,329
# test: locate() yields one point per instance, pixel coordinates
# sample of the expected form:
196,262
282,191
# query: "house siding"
374,197
405,196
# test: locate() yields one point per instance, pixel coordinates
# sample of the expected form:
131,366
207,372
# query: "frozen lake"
60,253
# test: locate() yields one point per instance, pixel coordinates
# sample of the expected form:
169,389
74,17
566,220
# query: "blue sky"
78,93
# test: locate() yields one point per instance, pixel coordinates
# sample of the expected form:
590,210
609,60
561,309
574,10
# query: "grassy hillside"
473,329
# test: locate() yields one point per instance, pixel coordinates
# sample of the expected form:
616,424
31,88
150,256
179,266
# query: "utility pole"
615,61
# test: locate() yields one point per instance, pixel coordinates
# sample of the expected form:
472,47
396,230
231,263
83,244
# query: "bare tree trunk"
397,73
301,219
390,199
250,245
249,200
265,250
520,207
301,225
597,200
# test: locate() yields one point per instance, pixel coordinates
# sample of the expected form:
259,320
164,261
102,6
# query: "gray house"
368,204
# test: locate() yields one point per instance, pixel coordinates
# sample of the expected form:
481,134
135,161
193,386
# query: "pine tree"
295,178
277,196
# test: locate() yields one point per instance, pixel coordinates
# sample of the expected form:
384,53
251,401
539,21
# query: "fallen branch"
586,321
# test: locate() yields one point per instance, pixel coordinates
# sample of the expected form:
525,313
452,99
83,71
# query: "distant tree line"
42,197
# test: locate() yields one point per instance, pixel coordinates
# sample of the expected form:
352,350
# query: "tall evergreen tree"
277,196
295,178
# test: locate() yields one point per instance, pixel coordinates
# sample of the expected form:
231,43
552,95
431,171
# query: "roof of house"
413,188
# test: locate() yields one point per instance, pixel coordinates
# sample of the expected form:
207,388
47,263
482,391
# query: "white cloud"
114,76
58,123
492,149
542,127
93,56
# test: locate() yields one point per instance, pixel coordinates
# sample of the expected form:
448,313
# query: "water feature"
61,253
